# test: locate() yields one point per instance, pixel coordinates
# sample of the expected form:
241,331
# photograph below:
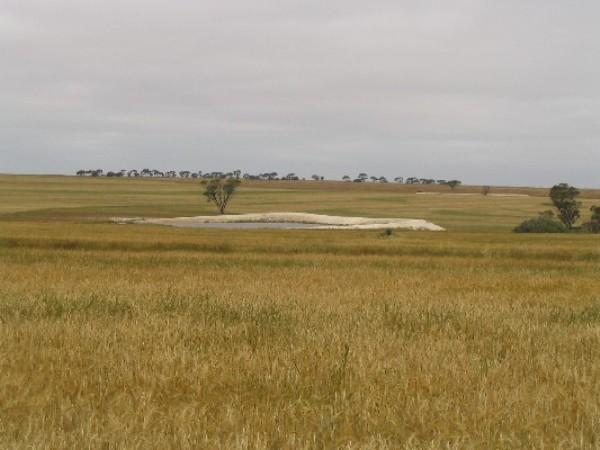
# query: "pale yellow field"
147,337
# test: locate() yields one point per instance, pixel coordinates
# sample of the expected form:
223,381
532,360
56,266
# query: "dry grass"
74,199
148,337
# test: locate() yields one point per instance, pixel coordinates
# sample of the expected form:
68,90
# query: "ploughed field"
143,336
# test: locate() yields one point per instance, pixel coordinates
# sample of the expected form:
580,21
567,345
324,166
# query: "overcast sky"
494,92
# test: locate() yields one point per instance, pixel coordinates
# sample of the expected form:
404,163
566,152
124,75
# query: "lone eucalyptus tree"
220,191
564,198
454,183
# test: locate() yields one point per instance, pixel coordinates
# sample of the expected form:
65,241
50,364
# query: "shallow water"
250,225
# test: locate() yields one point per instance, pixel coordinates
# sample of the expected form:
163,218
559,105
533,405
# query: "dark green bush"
542,224
593,226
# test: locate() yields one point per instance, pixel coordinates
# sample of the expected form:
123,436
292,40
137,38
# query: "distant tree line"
153,173
364,178
265,176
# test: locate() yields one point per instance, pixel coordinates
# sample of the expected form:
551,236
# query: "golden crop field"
148,337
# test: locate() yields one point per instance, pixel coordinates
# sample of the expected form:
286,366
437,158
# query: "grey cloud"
487,91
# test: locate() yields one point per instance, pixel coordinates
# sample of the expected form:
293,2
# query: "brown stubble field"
119,336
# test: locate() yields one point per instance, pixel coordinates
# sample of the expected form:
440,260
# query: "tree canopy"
220,191
564,199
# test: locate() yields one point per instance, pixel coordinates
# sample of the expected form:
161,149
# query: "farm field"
148,337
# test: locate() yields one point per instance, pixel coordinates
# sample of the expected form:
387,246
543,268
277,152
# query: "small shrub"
542,224
388,232
593,226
